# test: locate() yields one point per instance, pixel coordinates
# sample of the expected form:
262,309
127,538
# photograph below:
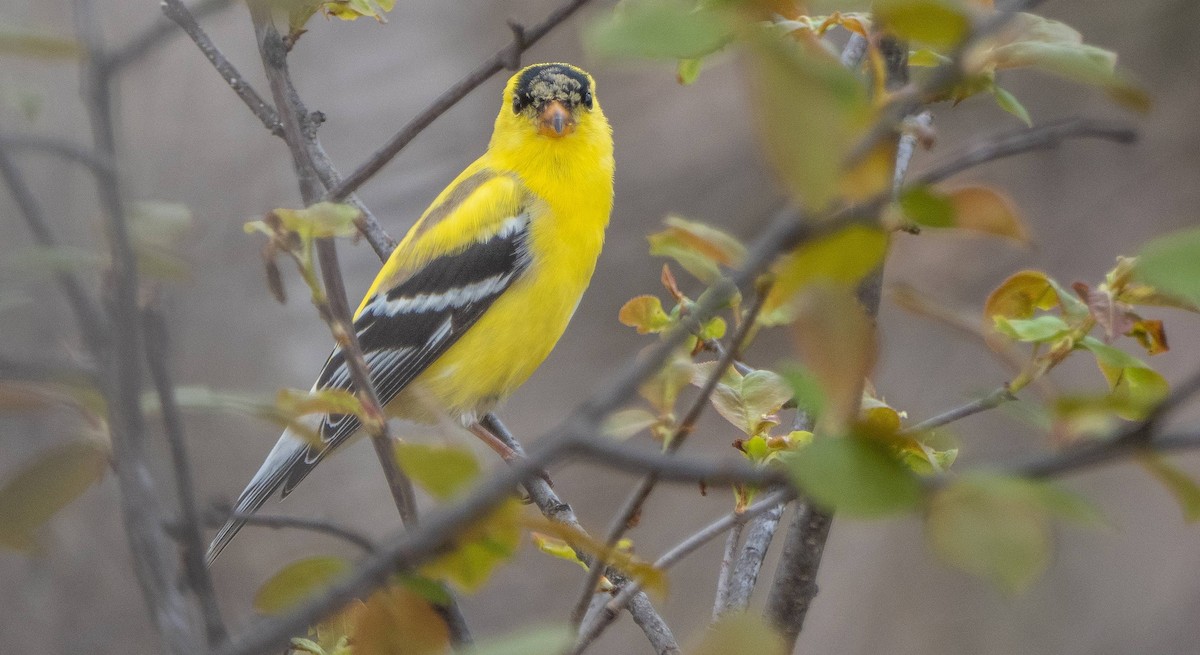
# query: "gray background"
185,137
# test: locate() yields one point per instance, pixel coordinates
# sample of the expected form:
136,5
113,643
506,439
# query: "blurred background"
184,137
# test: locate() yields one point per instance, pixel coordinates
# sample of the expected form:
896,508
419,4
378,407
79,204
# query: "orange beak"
555,120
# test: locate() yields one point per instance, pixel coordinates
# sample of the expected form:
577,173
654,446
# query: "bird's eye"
587,98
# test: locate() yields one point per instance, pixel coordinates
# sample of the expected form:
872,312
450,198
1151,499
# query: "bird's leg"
485,435
497,444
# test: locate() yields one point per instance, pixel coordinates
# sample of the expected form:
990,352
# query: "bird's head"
553,101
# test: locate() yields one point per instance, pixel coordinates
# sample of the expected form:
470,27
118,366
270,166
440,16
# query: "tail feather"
288,452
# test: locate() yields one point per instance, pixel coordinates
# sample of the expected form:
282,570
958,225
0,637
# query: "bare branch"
176,11
603,619
728,559
674,468
993,399
795,584
508,57
224,513
193,545
152,553
743,574
157,35
1042,137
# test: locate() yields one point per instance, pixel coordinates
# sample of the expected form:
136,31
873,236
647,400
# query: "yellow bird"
481,288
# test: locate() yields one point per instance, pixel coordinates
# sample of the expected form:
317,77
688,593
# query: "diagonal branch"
158,34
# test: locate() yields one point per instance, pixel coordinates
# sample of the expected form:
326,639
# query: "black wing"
404,330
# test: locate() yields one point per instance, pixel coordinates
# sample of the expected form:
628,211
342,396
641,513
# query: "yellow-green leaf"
322,220
836,342
740,633
1181,485
396,620
626,423
923,206
1009,103
988,211
854,476
1129,378
1040,329
700,249
645,313
1171,265
297,582
843,258
938,23
811,112
46,485
749,403
441,470
659,29
1021,295
485,545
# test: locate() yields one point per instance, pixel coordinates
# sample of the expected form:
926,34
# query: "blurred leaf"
441,470
1021,295
1171,265
925,207
688,70
806,390
1009,103
999,527
854,476
644,313
556,547
740,633
395,620
836,341
811,113
20,43
939,23
843,258
659,29
628,422
618,557
988,211
44,486
298,582
663,388
545,640
700,249
482,547
877,417
1150,334
750,403
925,58
1180,484
1129,378
322,220
1040,329
294,402
33,260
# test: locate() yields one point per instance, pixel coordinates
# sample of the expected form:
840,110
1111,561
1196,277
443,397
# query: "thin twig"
725,572
632,507
152,553
59,148
158,34
992,399
552,507
507,57
177,12
87,315
277,522
1042,137
674,468
193,545
603,619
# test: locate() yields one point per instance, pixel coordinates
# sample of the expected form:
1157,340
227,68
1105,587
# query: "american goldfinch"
484,284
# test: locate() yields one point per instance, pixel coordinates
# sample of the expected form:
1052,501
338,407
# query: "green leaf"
925,207
990,527
1171,264
297,582
659,29
322,220
740,633
806,390
545,640
46,485
854,476
1139,387
646,314
843,259
700,249
626,423
443,471
1009,103
1180,484
938,23
750,402
1041,329
479,550
811,112
688,70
